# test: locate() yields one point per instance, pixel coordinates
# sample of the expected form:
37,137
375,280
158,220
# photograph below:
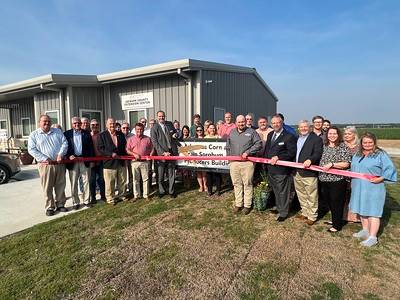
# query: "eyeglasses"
199,130
94,125
124,127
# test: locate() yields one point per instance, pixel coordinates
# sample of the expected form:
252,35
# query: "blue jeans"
96,176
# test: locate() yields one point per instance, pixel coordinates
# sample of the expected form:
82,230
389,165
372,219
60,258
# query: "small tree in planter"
261,194
24,156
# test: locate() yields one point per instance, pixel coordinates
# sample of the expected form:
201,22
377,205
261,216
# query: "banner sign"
137,101
203,147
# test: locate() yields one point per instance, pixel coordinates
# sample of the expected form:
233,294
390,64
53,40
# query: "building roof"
37,84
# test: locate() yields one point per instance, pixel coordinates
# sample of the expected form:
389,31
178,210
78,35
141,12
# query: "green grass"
259,282
328,291
382,133
54,260
49,260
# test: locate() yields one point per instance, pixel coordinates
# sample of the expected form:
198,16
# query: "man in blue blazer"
80,144
309,152
280,145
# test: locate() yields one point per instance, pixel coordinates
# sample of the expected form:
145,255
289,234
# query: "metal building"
181,88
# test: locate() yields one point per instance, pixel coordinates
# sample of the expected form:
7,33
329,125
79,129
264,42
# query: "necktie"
274,137
167,136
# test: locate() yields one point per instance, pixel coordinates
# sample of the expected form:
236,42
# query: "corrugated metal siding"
169,95
86,98
47,101
20,108
239,93
3,114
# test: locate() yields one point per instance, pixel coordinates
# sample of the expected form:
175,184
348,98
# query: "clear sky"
340,59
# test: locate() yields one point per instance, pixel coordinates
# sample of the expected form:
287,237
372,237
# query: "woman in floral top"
333,187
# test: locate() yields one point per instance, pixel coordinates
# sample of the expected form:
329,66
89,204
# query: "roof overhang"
32,86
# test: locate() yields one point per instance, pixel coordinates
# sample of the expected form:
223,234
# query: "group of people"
319,143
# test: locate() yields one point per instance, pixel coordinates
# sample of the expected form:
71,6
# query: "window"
54,116
26,126
92,114
3,124
135,115
219,114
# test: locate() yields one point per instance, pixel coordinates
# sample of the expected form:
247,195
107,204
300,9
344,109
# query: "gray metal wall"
169,95
3,114
86,98
239,93
47,101
20,108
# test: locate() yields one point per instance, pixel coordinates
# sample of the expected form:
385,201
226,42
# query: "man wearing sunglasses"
79,145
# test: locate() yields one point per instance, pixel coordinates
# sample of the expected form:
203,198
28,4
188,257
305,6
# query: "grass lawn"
194,247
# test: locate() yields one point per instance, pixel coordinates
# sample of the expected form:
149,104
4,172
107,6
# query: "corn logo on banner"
203,147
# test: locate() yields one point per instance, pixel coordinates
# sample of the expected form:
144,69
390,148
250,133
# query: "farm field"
382,133
195,247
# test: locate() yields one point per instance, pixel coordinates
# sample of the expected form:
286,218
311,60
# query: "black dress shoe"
280,219
50,212
77,206
62,209
161,195
173,195
274,211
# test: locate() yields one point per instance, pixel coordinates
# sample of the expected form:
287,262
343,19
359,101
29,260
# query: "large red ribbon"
229,158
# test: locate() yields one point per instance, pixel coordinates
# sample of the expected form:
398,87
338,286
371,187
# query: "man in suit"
80,144
309,152
165,145
112,143
280,145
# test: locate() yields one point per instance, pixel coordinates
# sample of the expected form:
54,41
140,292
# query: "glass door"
135,115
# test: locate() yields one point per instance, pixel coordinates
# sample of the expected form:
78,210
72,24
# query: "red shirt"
225,130
141,146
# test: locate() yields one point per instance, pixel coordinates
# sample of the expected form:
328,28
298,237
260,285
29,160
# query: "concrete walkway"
22,203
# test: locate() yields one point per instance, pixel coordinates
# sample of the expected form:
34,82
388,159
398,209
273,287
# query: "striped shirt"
47,145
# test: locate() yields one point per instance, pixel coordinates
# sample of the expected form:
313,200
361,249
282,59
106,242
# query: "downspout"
188,80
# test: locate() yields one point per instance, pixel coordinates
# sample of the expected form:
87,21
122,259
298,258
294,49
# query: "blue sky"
340,59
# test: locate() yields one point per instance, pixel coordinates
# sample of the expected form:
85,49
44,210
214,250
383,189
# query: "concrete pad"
22,203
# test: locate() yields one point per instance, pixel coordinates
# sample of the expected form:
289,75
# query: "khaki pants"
242,180
140,169
307,192
112,178
79,170
52,177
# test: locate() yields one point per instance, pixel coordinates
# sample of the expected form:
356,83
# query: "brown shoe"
237,209
309,222
301,217
246,210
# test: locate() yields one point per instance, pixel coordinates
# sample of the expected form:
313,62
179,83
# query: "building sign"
202,147
137,101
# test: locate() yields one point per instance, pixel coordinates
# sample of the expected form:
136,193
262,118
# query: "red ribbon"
229,158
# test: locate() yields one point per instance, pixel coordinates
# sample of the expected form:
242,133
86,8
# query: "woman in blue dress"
368,197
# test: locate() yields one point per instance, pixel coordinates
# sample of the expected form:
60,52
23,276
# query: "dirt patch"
389,143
